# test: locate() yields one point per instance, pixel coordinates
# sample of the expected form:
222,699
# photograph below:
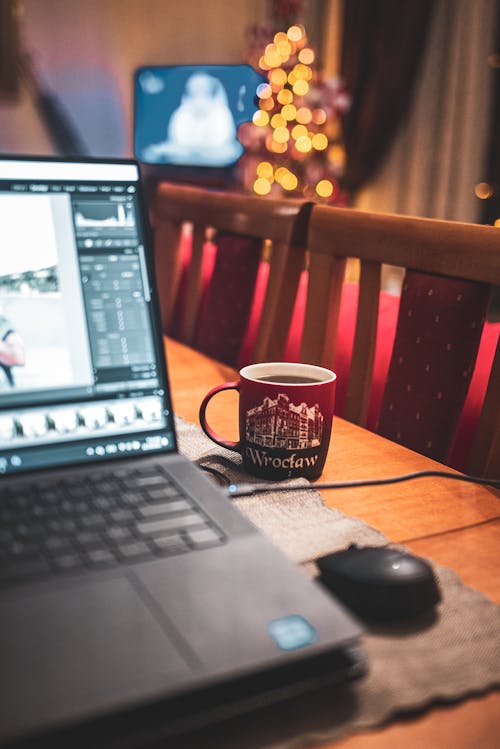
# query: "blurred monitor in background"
186,117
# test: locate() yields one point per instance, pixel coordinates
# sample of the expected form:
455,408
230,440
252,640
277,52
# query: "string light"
319,116
289,112
289,181
324,188
265,170
264,91
299,131
277,120
260,118
281,135
280,36
300,87
262,186
267,104
303,144
285,96
278,78
319,141
295,33
306,56
304,115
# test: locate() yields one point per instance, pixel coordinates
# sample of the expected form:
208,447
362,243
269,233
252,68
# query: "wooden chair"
440,252
217,216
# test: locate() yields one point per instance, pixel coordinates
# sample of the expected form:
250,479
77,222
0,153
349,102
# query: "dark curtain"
9,49
382,45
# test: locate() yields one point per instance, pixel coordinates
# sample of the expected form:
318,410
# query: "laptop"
136,601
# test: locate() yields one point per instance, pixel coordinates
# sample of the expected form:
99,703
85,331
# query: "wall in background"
87,52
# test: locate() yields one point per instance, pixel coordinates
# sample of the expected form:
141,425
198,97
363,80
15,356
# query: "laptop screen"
81,368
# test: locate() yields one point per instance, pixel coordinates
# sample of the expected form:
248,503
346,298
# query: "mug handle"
228,444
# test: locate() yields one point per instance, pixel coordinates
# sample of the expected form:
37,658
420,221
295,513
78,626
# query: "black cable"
246,490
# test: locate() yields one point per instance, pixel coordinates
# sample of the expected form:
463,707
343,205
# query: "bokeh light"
264,91
278,77
303,144
295,33
289,112
300,87
301,72
285,96
284,50
306,56
272,57
262,186
260,118
281,135
267,104
319,116
278,174
483,190
289,181
299,131
319,141
304,115
265,170
324,188
277,120
278,147
336,156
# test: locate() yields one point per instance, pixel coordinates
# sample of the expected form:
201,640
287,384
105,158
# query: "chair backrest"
227,219
461,259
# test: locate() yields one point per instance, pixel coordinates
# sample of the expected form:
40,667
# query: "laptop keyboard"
97,521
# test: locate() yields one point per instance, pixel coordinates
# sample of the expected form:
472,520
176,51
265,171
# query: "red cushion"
225,309
471,411
437,338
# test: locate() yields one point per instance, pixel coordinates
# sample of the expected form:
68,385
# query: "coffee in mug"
285,418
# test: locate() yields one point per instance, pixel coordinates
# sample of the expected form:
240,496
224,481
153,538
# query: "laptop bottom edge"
181,718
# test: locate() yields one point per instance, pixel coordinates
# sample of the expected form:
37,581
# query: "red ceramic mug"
285,418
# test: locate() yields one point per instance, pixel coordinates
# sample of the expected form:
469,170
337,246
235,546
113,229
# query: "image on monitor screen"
189,115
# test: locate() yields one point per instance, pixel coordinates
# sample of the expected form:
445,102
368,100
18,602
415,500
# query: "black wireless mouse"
379,582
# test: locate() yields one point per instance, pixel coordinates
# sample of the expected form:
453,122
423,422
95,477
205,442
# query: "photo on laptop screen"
189,115
37,284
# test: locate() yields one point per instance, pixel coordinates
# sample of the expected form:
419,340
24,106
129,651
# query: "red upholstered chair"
451,268
220,259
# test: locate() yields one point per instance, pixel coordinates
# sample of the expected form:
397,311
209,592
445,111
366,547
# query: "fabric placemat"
453,655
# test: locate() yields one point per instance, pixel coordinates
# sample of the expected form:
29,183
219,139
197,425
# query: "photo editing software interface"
81,378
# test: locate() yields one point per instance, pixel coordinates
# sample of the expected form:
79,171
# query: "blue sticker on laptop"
292,632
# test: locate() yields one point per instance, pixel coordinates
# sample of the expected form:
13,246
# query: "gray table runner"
453,655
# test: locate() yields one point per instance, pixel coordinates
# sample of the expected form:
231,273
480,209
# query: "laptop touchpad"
90,647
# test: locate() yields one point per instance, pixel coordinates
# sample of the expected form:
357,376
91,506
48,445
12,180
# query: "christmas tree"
294,143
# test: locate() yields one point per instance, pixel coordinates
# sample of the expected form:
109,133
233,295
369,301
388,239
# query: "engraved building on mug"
280,423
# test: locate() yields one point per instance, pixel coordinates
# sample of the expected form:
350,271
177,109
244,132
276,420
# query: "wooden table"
454,523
